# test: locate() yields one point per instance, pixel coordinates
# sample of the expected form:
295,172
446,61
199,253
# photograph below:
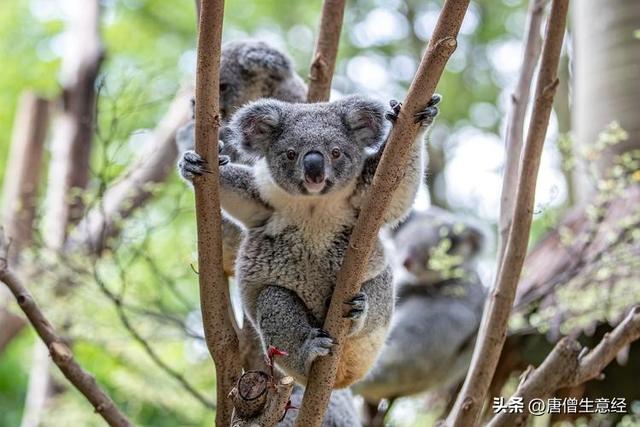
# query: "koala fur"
438,312
341,411
299,203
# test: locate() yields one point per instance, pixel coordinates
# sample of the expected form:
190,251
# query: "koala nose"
313,163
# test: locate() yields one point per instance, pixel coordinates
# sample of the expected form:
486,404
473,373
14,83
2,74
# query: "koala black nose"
313,163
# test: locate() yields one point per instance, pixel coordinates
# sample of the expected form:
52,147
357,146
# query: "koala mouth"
314,187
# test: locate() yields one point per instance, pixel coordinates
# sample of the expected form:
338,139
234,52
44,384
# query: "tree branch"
515,127
568,365
493,328
324,57
386,180
220,335
259,401
74,125
61,354
134,187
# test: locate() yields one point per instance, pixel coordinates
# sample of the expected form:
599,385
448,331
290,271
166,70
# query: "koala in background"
440,303
249,70
299,203
341,411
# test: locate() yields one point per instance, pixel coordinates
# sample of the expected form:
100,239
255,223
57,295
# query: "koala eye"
336,153
291,154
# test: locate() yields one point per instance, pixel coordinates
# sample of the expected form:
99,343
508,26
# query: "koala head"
311,149
251,70
436,245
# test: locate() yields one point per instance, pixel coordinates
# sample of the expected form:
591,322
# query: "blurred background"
132,313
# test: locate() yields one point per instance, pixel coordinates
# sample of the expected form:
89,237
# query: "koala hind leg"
284,322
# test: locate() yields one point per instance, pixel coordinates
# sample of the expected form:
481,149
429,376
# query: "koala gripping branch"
220,335
386,180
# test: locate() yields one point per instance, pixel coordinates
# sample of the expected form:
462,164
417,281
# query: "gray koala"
299,203
341,411
249,70
440,302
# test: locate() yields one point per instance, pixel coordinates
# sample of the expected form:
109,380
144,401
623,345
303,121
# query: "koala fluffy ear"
256,125
364,117
258,57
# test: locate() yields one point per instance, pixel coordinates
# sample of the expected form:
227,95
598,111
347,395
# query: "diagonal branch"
386,180
569,365
493,328
324,58
215,303
60,352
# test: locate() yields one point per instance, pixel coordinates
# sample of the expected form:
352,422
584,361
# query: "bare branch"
73,130
568,366
134,188
259,402
60,353
324,58
515,127
220,335
493,329
386,180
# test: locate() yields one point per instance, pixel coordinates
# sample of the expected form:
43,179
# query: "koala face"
435,245
251,70
311,149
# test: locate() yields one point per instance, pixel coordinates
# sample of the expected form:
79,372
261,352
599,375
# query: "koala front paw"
357,312
319,343
192,165
426,116
392,115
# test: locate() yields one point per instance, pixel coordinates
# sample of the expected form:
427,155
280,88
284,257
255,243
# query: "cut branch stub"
249,396
258,402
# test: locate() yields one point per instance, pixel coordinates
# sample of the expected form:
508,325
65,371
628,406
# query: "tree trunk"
607,77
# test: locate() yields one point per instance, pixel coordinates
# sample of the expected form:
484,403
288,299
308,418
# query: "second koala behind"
299,203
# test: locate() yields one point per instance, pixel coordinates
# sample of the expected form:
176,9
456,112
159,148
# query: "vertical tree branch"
515,126
324,57
493,329
220,335
386,180
20,190
73,130
60,352
569,365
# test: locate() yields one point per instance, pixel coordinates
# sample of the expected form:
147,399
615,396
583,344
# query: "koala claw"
319,343
426,116
358,305
392,115
192,165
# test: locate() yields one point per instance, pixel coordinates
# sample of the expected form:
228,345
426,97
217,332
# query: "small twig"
569,365
60,353
324,57
386,180
493,328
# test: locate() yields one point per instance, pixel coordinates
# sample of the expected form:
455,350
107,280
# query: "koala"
341,411
438,312
298,203
249,70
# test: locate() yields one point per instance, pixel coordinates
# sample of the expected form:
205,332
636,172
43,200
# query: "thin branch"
215,303
386,180
493,328
326,52
568,365
515,127
60,353
135,186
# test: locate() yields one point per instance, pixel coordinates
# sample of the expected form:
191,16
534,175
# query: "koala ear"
257,57
365,120
256,125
